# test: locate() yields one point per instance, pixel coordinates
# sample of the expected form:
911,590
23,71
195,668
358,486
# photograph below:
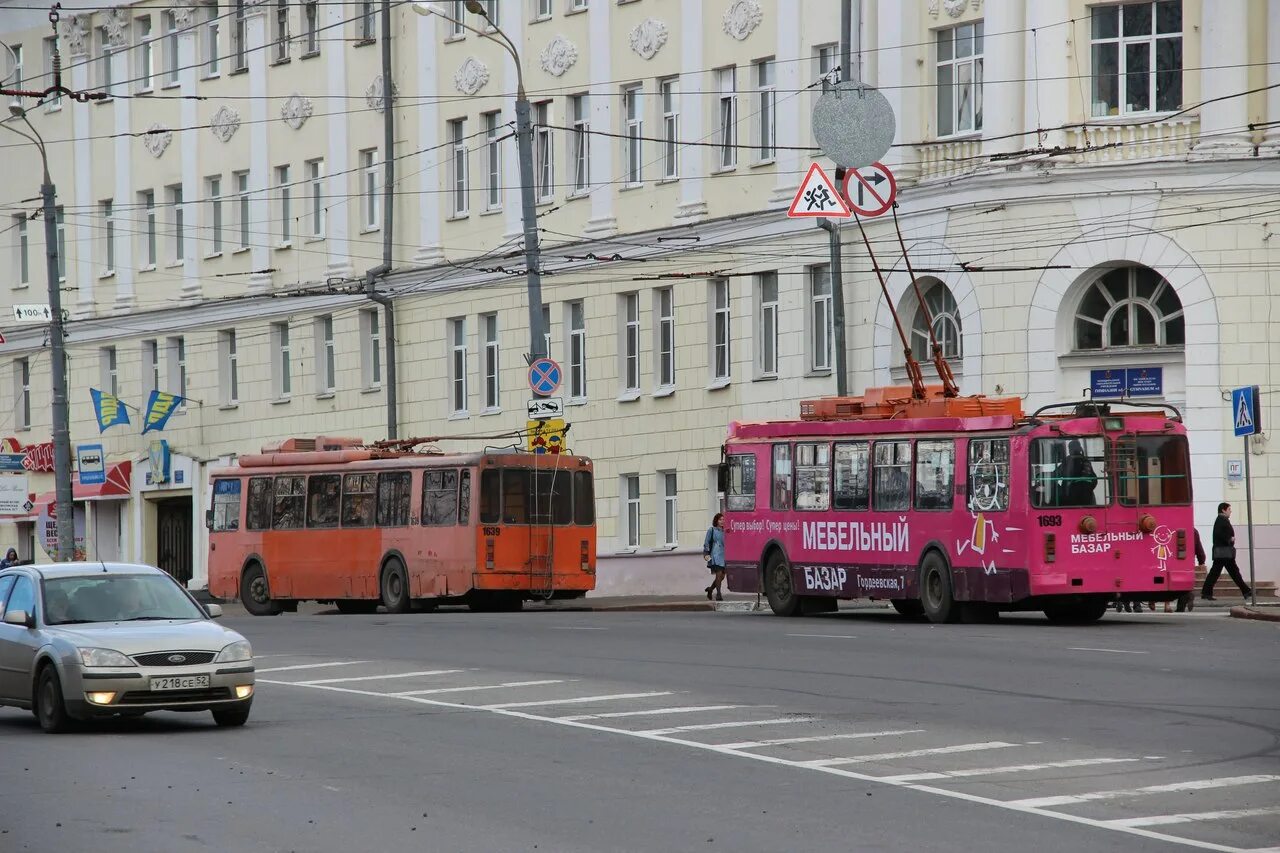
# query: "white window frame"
150,367
629,495
669,532
577,5
21,250
280,32
950,67
366,21
493,160
580,143
629,346
326,356
172,59
457,343
176,365
821,319
229,367
22,393
721,332
178,232
669,104
372,214
767,325
542,10
54,103
546,329
150,251
544,162
105,51
664,373
146,54
371,348
826,61
460,191
239,38
315,187
457,18
633,133
1122,42
107,208
284,190
281,361
492,363
244,208
109,368
766,111
576,321
726,118
211,38
213,196
311,27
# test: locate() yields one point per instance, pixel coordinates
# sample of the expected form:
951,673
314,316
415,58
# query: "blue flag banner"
108,409
160,405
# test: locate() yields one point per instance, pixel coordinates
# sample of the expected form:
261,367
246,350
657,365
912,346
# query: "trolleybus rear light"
1077,581
1050,548
488,553
585,556
1182,544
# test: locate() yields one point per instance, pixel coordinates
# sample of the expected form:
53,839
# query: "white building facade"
1082,187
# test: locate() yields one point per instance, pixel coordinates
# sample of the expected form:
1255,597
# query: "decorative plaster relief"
559,56
117,25
74,33
648,37
296,110
184,13
471,77
375,94
742,17
157,139
225,123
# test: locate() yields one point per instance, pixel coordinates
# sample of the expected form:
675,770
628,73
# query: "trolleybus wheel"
395,587
935,589
255,595
1077,613
356,605
778,587
909,607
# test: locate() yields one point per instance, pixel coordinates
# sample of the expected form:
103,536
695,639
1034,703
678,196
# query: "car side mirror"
20,617
214,610
208,519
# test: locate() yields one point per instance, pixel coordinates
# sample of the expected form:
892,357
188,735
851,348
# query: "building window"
281,28
150,367
669,92
311,26
146,54
21,249
631,510
171,63
213,197
369,188
105,50
239,38
544,161
666,349
633,132
670,519
326,356
942,308
960,79
630,342
727,128
767,333
282,365
229,375
1129,307
492,364
766,110
366,21
820,317
457,18
371,347
458,365
492,161
1137,57
22,392
542,9
284,194
15,79
147,201
55,102
826,62
491,14
212,30
177,210
177,365
720,330
110,371
577,5
546,329
242,207
108,237
458,166
580,142
315,191
577,350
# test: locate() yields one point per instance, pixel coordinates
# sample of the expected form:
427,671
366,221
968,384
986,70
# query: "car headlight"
239,650
103,657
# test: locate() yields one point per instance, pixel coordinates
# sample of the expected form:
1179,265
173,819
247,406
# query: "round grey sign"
853,124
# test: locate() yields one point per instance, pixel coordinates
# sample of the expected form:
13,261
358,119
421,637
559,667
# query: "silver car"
84,640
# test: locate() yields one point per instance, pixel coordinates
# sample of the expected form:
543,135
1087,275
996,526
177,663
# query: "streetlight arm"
505,41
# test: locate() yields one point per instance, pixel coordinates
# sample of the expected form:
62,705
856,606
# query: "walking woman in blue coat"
713,553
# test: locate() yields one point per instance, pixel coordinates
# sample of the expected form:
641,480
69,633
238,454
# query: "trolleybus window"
552,499
393,498
853,486
988,474
440,497
740,495
490,496
584,499
935,473
464,497
1069,472
323,500
892,475
813,476
1151,470
261,498
226,504
358,491
290,503
781,492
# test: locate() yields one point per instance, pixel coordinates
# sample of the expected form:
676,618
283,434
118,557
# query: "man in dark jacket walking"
1224,555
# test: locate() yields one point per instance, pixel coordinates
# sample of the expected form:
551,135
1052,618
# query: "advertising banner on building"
13,495
47,529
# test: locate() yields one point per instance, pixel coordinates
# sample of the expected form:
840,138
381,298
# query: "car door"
18,643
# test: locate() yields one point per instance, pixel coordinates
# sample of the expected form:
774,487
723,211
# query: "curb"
1249,613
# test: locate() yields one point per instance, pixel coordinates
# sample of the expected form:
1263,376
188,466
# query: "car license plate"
180,682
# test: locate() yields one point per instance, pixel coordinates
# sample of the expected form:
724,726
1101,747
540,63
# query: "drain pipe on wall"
388,220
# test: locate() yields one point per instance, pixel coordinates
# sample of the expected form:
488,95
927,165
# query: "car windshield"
115,598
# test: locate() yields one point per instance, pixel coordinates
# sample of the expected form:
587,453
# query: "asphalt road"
687,731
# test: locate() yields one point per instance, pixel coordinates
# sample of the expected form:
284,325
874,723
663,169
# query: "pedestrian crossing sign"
1246,413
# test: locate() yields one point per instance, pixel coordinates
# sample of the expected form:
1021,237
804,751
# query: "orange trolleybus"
336,520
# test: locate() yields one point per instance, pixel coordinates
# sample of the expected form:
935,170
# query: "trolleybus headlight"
1088,524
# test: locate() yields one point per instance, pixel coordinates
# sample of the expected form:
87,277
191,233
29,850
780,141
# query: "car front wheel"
231,717
51,709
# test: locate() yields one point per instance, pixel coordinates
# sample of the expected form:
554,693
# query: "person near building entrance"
10,558
1224,555
713,553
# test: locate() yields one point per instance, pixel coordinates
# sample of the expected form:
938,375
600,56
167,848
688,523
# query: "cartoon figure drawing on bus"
1163,536
977,541
986,486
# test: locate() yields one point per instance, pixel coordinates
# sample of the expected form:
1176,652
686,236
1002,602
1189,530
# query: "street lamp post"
524,147
61,432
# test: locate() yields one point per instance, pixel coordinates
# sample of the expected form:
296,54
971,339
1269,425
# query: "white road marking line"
738,724
312,665
826,636
911,753
655,712
381,677
783,741
1192,817
1112,651
478,687
944,793
577,700
1013,768
575,628
1194,785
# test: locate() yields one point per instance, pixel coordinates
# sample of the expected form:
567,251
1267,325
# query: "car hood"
132,638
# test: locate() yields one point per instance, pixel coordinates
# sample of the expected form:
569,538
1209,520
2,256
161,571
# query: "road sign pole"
1248,511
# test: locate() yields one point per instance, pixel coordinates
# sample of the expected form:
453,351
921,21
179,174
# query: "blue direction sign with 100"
544,377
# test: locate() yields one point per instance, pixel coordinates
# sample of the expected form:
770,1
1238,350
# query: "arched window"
1129,307
946,323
